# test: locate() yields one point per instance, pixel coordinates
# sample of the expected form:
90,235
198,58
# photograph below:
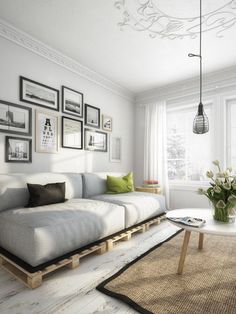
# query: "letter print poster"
46,133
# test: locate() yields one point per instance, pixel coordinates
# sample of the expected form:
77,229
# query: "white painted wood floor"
73,291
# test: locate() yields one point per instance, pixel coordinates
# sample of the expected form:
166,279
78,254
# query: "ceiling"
88,31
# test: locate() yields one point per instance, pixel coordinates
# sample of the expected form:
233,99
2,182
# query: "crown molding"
23,39
212,82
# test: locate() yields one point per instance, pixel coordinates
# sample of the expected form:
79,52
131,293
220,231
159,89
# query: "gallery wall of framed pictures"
72,125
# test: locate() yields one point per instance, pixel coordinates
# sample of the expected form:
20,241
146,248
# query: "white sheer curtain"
155,153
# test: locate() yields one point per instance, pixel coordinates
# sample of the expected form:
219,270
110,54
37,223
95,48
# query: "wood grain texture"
73,291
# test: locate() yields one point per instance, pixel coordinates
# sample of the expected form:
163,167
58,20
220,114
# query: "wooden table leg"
200,242
183,252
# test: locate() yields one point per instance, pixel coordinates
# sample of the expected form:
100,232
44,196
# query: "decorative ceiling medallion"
146,16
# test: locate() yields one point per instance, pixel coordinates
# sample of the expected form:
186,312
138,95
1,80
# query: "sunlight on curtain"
155,153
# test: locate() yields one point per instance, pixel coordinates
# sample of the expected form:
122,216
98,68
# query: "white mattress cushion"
39,234
138,206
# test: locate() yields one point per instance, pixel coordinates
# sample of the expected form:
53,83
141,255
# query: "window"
231,133
189,155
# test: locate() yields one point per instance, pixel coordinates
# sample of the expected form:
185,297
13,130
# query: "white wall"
15,61
218,88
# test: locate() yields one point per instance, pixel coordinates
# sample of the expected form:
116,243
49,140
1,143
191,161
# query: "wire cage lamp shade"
201,122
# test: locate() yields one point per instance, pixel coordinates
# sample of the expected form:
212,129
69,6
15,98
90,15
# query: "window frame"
210,102
228,133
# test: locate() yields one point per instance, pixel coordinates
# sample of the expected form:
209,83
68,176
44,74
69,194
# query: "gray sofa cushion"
94,183
40,234
14,192
138,206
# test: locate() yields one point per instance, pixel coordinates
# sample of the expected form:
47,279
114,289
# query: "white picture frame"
115,148
106,123
46,132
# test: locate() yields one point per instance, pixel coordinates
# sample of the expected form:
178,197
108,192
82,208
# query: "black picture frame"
72,111
35,93
91,143
8,117
87,121
17,152
74,122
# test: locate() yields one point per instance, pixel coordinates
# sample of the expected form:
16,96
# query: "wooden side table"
148,190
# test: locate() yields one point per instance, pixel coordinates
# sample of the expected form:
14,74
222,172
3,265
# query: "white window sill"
188,186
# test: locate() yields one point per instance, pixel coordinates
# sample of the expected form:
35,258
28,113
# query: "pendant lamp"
200,123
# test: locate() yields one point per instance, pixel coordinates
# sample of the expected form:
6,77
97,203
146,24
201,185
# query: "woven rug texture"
150,284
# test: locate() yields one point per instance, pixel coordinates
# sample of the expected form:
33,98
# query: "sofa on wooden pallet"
35,241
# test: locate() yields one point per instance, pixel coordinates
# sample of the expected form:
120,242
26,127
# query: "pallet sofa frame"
34,280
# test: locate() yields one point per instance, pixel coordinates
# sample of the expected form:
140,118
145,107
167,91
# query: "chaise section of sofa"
138,206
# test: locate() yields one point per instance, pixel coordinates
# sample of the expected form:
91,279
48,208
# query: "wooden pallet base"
125,236
34,280
155,221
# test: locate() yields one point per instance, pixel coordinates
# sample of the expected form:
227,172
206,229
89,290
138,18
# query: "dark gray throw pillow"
50,193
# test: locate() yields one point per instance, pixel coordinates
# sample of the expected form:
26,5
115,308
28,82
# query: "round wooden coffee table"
210,227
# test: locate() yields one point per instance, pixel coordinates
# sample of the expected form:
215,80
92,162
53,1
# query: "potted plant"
221,193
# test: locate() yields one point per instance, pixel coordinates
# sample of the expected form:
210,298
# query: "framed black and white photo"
95,140
15,118
18,149
72,133
46,132
38,94
106,123
92,116
115,149
72,102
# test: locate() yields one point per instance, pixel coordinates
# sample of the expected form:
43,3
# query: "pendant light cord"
200,51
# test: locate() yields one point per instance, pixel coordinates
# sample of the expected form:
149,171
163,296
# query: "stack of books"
151,184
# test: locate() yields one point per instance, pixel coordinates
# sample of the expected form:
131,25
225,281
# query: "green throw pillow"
120,184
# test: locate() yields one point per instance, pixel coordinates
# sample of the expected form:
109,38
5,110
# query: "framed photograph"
38,94
15,118
92,116
115,149
72,133
72,102
18,149
95,140
106,123
46,132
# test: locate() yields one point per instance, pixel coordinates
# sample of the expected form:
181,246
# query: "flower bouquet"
221,193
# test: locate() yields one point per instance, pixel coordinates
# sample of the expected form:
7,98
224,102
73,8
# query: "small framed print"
115,149
92,116
72,102
95,140
15,119
72,133
46,132
106,123
38,94
18,149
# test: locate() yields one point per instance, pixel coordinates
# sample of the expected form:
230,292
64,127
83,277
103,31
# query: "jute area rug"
150,284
